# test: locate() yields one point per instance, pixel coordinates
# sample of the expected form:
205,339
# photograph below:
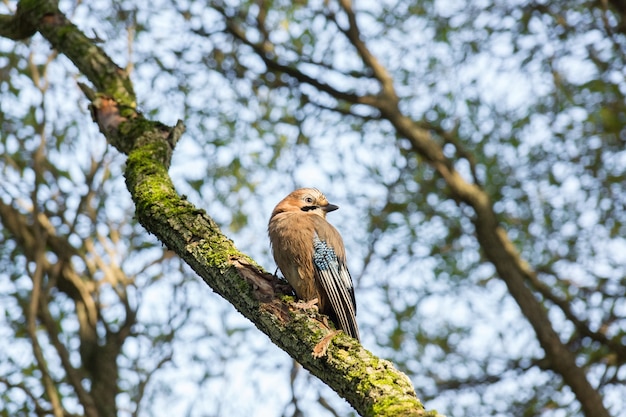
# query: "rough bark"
371,385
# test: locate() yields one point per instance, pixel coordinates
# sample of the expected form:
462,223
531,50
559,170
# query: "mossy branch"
372,385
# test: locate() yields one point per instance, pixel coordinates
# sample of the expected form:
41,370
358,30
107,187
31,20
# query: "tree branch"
31,317
65,278
583,327
74,376
494,240
511,267
380,72
492,237
39,409
372,385
265,51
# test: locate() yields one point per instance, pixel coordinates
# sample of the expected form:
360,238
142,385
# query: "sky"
255,381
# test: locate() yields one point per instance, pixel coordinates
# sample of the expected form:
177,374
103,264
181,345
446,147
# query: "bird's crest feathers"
306,200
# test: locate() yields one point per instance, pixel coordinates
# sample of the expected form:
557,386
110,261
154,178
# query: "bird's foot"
306,305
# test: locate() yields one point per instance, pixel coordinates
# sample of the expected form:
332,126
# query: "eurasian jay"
309,251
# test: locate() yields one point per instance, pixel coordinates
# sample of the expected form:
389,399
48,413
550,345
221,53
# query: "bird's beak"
329,207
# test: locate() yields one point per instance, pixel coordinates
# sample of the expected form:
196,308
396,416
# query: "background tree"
477,150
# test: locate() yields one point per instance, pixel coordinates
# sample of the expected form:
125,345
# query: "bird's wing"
335,279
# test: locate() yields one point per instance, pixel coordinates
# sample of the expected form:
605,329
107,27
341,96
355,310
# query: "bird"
310,253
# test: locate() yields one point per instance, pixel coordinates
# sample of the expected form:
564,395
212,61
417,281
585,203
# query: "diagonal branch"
372,385
380,72
264,50
494,240
583,326
492,237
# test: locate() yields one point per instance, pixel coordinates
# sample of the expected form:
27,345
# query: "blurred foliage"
530,94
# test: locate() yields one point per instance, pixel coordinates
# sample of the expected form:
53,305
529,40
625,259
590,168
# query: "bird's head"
305,200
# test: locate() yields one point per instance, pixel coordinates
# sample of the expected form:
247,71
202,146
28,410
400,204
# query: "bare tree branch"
66,280
39,408
266,52
31,318
380,72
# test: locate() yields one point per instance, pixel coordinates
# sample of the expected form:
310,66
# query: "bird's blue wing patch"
335,279
324,256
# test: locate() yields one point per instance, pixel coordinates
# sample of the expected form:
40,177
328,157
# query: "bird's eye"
308,200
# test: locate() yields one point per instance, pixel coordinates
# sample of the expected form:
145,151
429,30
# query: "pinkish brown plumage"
310,253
